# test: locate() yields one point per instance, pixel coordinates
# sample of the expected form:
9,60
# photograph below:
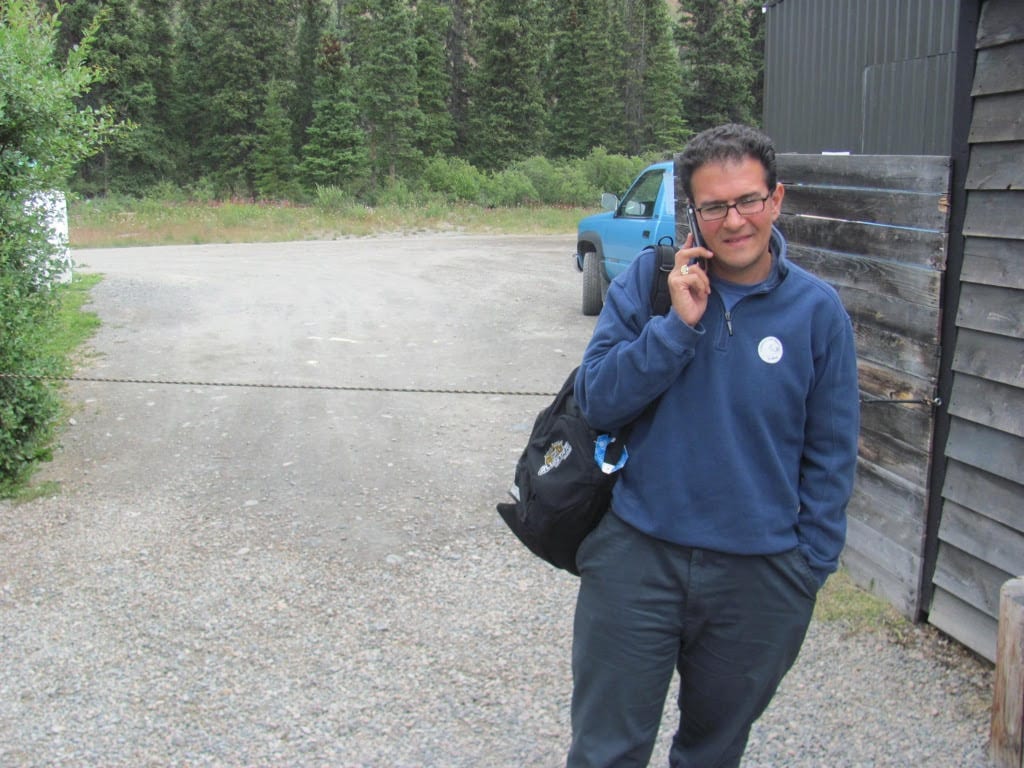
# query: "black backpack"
560,493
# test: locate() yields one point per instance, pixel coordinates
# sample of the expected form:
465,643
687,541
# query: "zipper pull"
728,322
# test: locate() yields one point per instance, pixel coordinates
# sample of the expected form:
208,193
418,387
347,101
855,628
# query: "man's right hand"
688,284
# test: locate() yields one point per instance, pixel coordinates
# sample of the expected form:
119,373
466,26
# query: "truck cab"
606,243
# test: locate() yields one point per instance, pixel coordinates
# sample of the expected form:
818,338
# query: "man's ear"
777,194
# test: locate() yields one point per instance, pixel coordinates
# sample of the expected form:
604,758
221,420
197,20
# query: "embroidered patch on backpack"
556,453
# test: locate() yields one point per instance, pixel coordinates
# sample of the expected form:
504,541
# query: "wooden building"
921,229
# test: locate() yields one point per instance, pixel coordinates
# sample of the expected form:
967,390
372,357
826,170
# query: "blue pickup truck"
607,242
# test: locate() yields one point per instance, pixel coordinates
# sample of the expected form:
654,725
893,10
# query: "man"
730,512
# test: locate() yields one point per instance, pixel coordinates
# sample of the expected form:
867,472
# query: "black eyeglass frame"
727,206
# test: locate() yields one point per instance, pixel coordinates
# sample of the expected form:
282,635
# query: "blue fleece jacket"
751,445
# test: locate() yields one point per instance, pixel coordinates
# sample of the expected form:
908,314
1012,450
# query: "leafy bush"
45,136
330,198
509,188
610,173
455,178
396,193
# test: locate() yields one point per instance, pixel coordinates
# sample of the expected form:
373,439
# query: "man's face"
739,242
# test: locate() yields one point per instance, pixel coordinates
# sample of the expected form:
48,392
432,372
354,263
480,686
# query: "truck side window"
641,197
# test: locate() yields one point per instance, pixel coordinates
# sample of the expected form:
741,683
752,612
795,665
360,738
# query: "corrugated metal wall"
864,76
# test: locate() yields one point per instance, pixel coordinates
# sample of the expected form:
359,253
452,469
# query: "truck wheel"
593,284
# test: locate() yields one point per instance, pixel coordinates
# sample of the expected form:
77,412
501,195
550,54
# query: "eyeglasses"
748,206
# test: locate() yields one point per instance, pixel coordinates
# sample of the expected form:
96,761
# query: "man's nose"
733,218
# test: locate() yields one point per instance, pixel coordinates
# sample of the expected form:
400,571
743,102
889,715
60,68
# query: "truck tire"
593,284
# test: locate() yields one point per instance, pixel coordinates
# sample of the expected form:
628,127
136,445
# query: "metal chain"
933,402
259,385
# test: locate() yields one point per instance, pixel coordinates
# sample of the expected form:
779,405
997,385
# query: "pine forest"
275,99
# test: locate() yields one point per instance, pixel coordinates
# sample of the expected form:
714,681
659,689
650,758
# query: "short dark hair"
731,141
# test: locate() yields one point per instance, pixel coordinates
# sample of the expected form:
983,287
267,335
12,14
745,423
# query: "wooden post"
1006,742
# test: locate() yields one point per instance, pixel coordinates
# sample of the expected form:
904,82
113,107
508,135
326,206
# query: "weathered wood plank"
882,568
899,281
999,69
990,356
982,537
1000,406
994,261
991,309
906,173
995,452
1000,23
908,246
890,505
994,213
917,322
963,622
907,462
996,166
905,423
998,118
894,208
906,358
969,578
985,494
886,382
1006,736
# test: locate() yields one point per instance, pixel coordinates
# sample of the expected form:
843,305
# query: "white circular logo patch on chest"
770,350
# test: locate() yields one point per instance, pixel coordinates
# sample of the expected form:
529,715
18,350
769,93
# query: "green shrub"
331,199
574,188
544,177
396,192
45,136
610,173
509,188
166,192
454,178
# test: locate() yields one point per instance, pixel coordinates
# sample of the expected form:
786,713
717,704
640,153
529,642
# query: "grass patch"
122,222
72,326
840,600
27,493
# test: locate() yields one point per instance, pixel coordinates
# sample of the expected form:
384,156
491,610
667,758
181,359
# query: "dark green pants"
731,624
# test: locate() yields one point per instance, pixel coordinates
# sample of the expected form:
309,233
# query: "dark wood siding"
981,534
875,227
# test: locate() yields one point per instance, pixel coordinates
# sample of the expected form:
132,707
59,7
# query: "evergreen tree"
335,153
383,51
720,67
312,23
130,51
506,108
458,46
433,20
237,62
586,107
186,104
273,161
663,128
651,76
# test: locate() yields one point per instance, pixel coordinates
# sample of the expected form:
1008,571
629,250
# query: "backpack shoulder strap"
661,301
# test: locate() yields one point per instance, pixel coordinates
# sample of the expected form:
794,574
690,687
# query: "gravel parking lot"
311,572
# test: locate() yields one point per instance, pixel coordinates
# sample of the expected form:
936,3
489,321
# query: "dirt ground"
492,314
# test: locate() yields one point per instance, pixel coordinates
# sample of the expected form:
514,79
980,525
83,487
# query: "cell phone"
698,239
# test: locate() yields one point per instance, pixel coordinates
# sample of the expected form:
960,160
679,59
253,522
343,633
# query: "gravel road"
266,576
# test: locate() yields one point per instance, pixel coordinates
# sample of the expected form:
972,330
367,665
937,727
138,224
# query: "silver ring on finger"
685,269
